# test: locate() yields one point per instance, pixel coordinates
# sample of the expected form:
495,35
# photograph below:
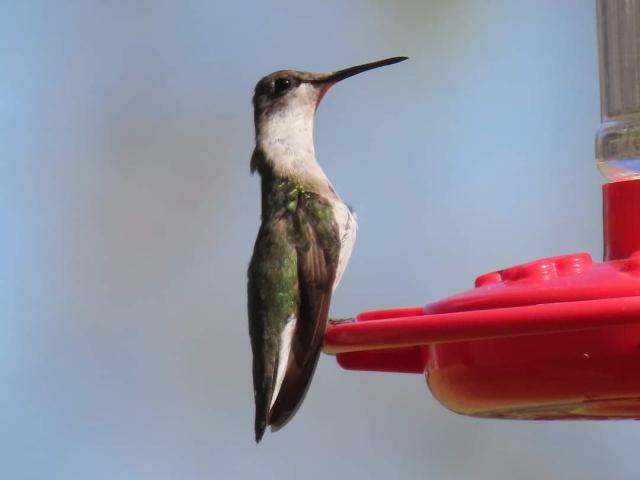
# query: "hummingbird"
303,245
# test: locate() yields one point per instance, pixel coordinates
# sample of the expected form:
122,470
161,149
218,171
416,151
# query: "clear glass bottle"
618,139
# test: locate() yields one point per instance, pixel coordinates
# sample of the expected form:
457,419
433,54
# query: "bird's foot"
338,321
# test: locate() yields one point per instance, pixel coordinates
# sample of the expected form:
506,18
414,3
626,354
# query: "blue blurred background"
128,216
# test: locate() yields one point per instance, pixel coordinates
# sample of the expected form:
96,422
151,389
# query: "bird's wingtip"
260,428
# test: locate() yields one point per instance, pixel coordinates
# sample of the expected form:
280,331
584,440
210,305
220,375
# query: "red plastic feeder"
556,338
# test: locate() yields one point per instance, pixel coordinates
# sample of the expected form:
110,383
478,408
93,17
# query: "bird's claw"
338,321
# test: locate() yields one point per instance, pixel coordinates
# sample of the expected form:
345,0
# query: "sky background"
128,216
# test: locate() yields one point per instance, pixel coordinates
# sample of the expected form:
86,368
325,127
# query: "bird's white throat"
285,136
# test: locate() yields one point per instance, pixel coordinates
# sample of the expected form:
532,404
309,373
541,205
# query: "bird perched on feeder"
303,246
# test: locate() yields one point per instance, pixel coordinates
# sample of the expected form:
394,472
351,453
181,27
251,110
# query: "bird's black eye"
281,85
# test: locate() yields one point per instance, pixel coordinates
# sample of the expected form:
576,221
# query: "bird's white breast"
347,227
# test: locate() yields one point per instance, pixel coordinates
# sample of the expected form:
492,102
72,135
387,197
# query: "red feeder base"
558,338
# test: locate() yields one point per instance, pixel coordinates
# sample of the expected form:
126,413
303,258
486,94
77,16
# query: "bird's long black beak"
351,71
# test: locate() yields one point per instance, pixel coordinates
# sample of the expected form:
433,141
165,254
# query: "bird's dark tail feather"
262,395
292,393
262,390
290,397
260,427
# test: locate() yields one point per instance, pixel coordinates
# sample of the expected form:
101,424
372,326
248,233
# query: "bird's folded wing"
317,246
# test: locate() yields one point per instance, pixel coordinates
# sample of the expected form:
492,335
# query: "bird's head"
295,93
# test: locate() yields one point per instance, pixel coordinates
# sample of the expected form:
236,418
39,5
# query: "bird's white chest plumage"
347,227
